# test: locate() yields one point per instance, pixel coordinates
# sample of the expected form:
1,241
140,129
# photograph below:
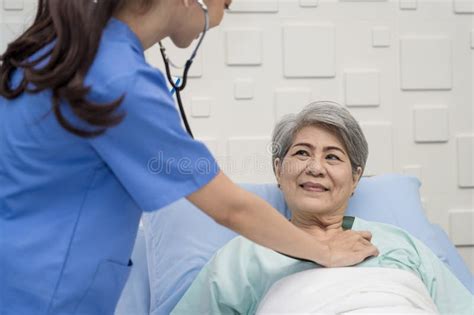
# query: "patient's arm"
398,249
449,294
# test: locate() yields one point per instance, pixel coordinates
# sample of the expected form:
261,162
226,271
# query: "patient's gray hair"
327,115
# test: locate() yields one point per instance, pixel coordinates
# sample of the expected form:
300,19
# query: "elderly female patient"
319,157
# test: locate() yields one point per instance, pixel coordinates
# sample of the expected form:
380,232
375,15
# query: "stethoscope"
179,86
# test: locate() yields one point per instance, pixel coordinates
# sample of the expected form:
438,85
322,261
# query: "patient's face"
316,174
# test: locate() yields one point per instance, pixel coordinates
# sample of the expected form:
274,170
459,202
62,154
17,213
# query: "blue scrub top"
70,206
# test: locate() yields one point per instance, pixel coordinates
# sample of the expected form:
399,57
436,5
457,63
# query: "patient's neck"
322,226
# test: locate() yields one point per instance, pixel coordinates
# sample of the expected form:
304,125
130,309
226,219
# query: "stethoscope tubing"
179,85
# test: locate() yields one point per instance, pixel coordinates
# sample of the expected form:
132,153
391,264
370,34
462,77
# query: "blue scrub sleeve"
149,152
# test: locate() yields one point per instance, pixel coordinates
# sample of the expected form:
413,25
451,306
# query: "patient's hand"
348,248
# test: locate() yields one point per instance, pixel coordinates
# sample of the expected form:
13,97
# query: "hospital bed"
174,243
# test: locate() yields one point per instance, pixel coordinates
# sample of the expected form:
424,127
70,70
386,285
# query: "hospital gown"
238,276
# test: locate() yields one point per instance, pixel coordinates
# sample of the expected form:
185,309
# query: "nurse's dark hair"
75,27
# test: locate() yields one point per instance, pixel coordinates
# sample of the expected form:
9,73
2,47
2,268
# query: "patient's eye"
332,157
302,153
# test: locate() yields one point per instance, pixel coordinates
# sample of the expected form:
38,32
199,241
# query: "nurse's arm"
255,219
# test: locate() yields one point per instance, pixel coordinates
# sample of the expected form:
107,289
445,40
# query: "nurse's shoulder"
120,64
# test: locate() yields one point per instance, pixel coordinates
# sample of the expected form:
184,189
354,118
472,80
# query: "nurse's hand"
349,248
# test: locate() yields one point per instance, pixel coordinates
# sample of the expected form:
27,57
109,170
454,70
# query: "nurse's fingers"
368,251
365,248
365,234
349,248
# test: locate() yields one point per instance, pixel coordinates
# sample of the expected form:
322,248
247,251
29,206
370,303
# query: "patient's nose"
315,167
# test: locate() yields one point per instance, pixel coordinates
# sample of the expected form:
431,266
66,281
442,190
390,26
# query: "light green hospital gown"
238,276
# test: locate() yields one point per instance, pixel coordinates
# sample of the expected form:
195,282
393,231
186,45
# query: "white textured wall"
404,68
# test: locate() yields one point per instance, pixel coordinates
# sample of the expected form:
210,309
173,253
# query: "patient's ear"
277,167
356,177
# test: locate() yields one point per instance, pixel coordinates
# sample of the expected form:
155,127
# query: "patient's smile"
314,187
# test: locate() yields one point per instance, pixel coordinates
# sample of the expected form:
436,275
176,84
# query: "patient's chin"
322,216
312,208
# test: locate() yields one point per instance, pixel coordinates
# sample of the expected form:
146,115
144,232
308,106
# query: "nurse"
90,137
